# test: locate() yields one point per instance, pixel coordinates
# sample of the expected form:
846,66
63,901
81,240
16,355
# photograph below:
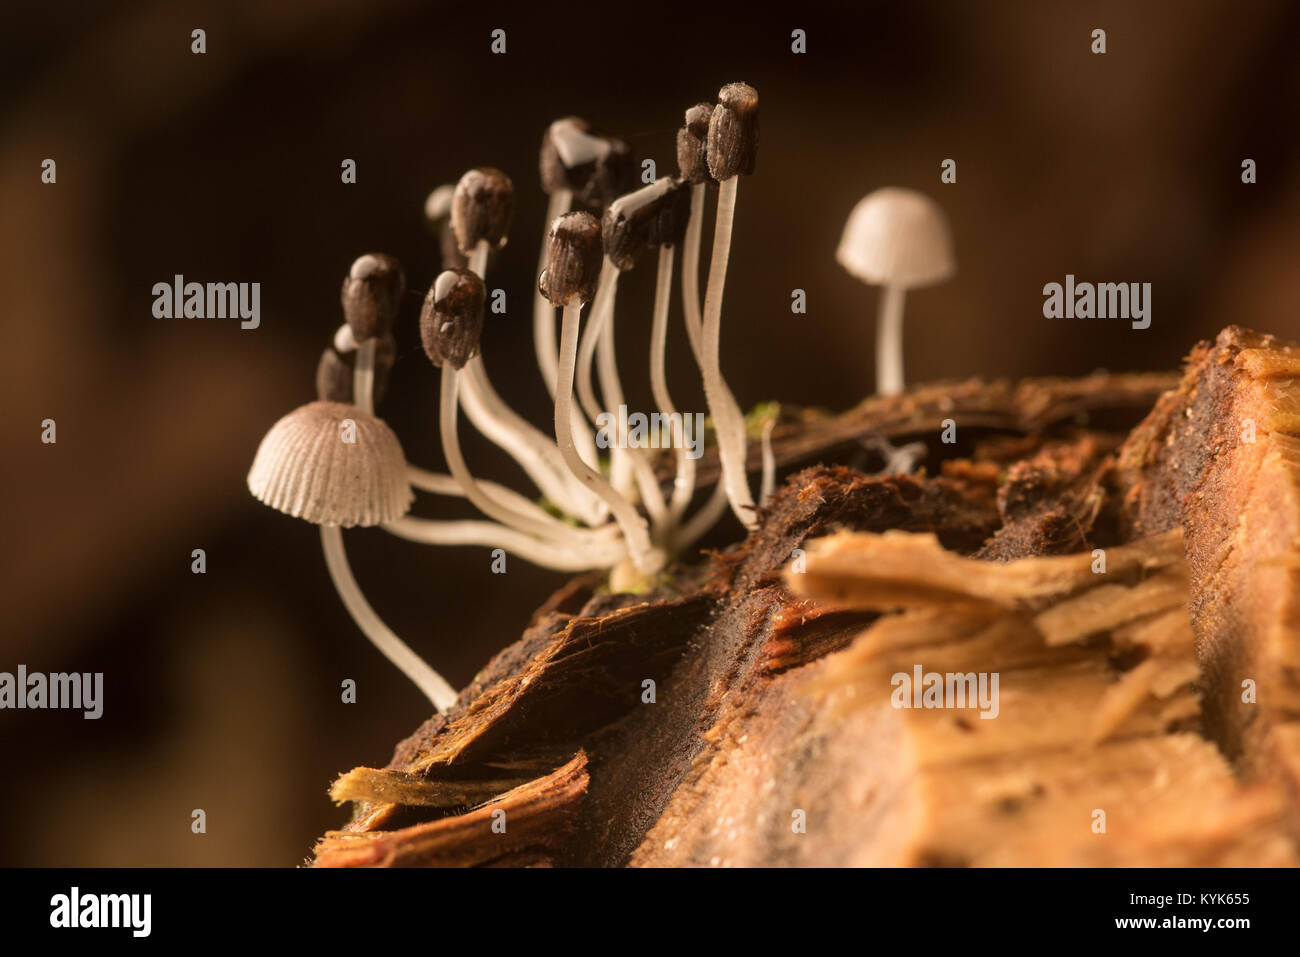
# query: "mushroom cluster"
335,464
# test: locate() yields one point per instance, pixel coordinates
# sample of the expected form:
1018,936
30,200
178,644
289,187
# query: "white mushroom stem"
493,535
543,310
527,519
529,446
599,317
435,482
691,270
889,341
478,258
536,454
728,421
625,460
768,485
684,481
601,307
439,484
433,685
363,377
647,559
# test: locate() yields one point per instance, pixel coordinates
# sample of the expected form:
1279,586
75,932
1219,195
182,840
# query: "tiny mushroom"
731,150
654,215
581,167
451,323
482,207
573,261
693,167
481,210
336,466
898,239
371,297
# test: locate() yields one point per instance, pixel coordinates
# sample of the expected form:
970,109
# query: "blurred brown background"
222,691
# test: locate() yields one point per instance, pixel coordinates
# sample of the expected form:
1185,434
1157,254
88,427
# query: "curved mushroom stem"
601,308
599,319
433,685
625,460
531,519
490,534
684,481
533,450
440,484
728,421
889,341
691,270
647,559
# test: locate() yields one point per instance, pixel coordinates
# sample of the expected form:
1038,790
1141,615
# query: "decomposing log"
752,712
1220,456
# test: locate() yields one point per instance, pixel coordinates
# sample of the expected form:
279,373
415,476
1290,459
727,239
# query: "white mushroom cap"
304,468
897,237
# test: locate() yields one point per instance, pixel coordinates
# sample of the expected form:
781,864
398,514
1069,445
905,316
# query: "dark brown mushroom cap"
335,369
372,295
482,208
733,132
569,153
595,167
674,213
692,144
573,255
451,320
654,215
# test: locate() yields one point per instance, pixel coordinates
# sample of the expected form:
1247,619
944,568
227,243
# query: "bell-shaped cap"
332,464
573,255
372,295
451,319
897,237
481,208
732,146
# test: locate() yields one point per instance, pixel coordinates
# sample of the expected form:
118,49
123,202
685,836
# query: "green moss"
757,417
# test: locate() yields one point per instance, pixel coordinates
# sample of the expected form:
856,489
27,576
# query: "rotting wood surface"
772,739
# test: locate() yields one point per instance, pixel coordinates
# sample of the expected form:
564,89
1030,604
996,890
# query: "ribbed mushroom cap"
305,468
897,237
